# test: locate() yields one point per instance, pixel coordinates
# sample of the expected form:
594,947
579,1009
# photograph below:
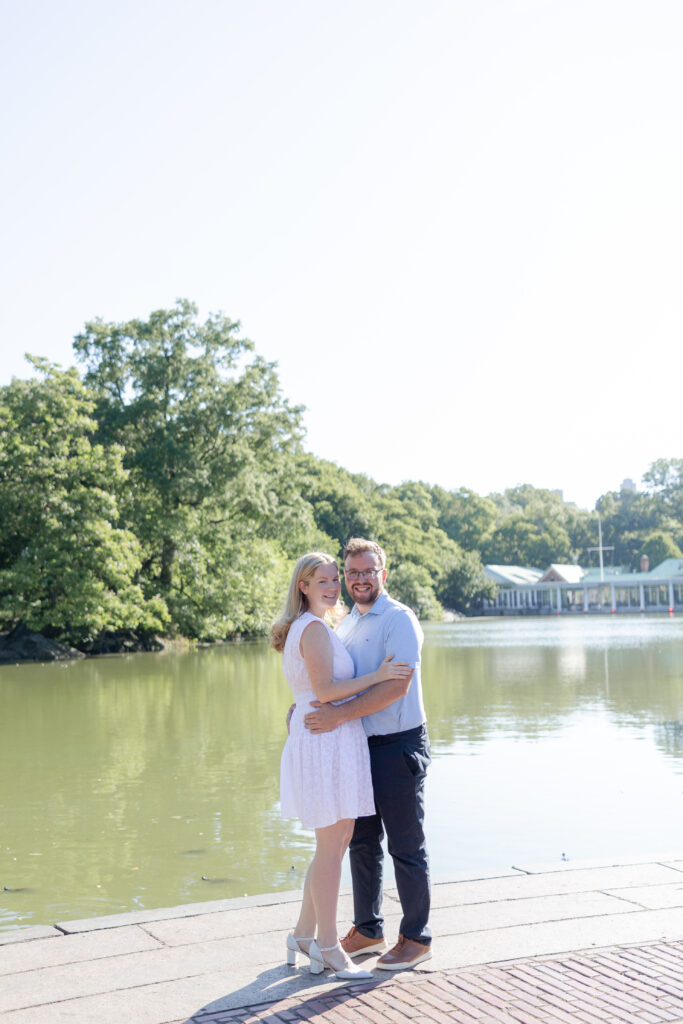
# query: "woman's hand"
390,669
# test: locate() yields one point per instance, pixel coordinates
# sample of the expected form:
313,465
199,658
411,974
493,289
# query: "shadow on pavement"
274,986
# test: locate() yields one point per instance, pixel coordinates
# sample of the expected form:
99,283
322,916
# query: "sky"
457,227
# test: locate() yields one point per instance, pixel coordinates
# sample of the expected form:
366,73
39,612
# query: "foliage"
66,566
228,587
464,516
426,567
339,502
664,480
168,490
628,519
658,546
209,444
465,585
412,585
411,534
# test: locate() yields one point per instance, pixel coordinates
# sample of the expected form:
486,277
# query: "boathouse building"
561,589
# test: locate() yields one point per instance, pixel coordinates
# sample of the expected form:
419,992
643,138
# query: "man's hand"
326,718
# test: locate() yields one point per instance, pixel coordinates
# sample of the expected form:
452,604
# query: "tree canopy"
166,489
68,564
208,441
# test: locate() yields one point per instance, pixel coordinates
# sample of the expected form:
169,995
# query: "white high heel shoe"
293,947
348,973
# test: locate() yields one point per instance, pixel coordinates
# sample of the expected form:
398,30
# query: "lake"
150,780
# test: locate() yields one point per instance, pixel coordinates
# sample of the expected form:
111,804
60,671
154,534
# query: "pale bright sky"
456,226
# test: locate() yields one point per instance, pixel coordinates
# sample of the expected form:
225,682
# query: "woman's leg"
305,926
324,877
307,921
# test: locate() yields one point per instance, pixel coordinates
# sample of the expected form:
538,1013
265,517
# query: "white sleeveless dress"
323,776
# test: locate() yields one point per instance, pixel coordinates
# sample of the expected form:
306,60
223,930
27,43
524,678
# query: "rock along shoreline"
23,644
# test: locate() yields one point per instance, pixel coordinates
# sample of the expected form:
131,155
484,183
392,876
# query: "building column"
585,599
559,600
671,596
642,596
614,598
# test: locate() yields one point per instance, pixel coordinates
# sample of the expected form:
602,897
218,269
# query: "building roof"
610,572
557,572
515,574
668,568
519,575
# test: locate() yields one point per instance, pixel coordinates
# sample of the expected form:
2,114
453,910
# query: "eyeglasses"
363,574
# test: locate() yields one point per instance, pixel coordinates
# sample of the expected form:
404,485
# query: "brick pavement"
636,984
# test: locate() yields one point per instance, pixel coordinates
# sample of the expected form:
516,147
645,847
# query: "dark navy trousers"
399,766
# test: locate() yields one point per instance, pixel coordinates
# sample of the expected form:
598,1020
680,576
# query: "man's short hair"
358,545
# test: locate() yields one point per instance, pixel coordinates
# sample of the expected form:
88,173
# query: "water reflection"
669,737
152,780
527,679
122,765
563,739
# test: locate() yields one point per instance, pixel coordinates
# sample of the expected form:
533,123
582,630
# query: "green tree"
465,516
628,519
407,530
512,542
660,545
209,443
412,585
423,562
340,502
428,558
664,480
535,527
465,584
407,524
581,530
67,567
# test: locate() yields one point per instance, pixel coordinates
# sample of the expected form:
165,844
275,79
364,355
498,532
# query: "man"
394,720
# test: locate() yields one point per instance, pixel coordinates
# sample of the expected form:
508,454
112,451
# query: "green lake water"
151,780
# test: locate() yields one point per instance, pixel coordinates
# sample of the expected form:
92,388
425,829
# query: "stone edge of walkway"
134,917
137,917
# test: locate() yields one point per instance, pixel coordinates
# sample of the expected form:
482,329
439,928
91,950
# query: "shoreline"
104,922
223,961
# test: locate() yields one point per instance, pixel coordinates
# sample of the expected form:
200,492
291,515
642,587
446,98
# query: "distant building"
505,575
561,589
628,485
559,573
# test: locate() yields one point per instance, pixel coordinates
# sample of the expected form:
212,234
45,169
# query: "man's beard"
368,596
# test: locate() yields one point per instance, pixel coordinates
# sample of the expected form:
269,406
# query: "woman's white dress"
323,776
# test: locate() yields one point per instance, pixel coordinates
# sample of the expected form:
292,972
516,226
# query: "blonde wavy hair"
297,602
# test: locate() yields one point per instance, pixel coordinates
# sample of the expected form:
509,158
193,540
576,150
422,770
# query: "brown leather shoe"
354,943
406,954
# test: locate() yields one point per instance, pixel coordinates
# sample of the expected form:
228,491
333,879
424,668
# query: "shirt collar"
376,608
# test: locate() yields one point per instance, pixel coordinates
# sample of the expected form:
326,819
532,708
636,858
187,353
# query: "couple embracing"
355,761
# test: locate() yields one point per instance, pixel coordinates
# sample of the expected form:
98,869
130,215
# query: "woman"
325,777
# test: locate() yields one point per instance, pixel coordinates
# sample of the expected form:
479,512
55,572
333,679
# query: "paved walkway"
633,984
564,944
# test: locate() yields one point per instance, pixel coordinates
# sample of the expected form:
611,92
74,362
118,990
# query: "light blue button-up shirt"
387,627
